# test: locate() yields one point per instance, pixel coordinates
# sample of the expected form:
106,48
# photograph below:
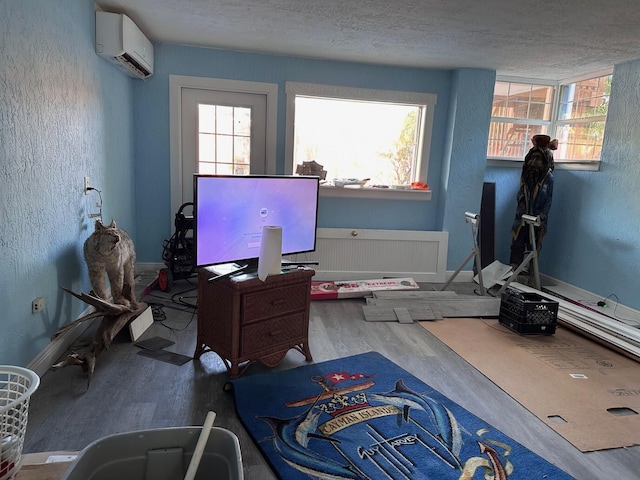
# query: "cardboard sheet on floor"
585,391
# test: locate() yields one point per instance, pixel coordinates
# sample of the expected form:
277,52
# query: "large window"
574,112
379,136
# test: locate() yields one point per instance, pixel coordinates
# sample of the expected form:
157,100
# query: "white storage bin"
159,454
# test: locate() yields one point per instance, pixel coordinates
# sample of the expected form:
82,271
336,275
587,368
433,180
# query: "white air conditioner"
120,42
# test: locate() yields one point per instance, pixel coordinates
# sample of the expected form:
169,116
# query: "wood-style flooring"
132,392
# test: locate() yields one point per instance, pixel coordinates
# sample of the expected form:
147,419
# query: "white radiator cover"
360,254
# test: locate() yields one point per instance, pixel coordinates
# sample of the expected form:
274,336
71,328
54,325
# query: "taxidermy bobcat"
110,250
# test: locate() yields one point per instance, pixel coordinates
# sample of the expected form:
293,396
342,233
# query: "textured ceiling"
541,39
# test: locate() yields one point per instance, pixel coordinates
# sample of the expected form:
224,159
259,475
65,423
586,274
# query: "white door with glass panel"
222,133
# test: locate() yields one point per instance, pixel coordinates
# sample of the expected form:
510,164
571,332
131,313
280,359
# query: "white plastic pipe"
202,442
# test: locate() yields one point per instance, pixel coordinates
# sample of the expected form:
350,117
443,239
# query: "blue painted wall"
463,165
64,114
152,132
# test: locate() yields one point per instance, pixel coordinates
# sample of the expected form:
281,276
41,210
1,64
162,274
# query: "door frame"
179,82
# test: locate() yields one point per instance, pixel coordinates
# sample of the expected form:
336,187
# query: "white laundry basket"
17,384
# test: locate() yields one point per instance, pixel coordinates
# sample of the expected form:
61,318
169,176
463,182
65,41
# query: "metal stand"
532,256
474,220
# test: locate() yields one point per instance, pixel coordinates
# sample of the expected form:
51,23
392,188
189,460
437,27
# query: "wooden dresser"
243,319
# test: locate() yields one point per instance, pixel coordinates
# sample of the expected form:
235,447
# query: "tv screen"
230,211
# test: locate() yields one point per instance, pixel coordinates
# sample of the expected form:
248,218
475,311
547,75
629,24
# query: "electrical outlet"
87,184
37,305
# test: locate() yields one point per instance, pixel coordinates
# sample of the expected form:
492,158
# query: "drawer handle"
275,333
278,302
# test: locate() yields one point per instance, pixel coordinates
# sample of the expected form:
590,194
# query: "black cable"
615,309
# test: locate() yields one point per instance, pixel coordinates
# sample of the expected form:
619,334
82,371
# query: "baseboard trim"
144,267
56,347
619,311
463,276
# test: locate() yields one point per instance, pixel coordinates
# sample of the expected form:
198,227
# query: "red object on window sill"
419,186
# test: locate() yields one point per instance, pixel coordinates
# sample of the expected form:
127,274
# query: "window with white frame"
574,112
582,116
379,136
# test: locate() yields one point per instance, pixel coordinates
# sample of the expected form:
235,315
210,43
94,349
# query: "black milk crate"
528,313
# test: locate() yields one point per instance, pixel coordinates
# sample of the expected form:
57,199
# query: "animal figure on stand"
109,250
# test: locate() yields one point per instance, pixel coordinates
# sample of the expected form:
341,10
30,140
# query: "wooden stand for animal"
108,251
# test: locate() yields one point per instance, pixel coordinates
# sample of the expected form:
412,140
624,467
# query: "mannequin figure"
534,196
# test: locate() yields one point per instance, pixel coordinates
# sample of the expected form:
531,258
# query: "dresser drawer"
270,333
271,302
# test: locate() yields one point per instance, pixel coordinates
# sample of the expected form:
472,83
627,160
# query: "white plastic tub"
159,454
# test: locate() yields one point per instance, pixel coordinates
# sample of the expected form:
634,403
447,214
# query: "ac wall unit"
120,42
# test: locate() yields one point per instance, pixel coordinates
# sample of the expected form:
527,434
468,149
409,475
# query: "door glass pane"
207,148
224,139
224,149
241,150
207,118
224,120
242,121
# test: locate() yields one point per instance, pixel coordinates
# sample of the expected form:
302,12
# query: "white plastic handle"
202,442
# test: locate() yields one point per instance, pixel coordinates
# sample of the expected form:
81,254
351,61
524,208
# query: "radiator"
356,254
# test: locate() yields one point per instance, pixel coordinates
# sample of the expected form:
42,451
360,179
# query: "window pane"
208,168
224,169
224,139
242,121
224,120
511,140
580,141
588,98
206,148
207,118
241,150
224,149
358,139
582,119
522,101
241,170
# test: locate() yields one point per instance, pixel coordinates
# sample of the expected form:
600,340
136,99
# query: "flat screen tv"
230,211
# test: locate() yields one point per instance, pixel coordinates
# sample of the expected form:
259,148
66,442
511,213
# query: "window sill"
589,166
376,193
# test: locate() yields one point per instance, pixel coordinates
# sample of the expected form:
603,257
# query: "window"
224,139
574,112
382,136
581,119
519,112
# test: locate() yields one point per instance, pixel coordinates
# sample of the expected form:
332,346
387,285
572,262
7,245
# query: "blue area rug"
364,417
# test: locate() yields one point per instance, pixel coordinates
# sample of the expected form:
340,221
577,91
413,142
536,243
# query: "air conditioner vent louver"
133,66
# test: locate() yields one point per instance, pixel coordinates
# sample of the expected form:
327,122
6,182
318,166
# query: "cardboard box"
45,465
359,288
